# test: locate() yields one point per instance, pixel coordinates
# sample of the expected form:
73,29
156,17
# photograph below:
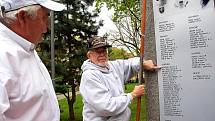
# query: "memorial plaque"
185,45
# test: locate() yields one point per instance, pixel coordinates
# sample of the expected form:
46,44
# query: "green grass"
64,115
133,105
78,107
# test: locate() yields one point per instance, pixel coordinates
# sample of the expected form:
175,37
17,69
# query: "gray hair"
10,16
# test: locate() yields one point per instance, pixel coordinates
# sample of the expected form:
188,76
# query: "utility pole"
151,83
52,49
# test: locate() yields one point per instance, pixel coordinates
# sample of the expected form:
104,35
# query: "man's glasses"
100,50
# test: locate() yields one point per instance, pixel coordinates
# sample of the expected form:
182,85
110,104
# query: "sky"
105,15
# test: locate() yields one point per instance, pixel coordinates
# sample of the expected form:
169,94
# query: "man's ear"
88,54
21,17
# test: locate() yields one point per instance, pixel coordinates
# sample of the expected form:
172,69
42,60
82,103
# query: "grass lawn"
78,107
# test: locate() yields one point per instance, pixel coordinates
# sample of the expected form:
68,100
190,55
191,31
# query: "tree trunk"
71,112
71,102
137,79
152,92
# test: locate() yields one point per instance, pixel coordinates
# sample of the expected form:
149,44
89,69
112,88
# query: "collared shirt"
26,90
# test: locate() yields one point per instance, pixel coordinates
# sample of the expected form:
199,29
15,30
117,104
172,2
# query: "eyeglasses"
100,50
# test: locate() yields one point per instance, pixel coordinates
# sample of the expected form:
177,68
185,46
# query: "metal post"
152,90
52,48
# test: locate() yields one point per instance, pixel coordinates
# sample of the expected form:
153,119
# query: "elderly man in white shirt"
26,91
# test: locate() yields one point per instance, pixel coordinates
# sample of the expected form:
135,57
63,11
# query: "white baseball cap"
10,5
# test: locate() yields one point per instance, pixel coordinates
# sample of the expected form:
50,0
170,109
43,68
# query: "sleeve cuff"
130,97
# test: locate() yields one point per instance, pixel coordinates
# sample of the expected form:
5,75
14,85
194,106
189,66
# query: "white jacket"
102,90
26,91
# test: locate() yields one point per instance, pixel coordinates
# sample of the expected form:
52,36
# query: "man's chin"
102,64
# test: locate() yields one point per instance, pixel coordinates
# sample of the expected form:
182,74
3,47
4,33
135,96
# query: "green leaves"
127,18
121,8
116,53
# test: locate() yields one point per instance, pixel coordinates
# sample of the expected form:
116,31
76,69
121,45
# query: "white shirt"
26,91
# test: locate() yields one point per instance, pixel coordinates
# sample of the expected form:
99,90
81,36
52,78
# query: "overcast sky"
105,15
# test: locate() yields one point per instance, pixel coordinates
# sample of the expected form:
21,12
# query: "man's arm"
100,98
130,67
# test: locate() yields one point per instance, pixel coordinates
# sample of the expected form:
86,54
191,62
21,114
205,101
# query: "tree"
121,8
72,28
116,53
127,20
125,36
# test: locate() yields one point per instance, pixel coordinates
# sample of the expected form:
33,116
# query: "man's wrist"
133,95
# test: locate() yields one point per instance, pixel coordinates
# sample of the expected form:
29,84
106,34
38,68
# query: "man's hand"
138,91
149,65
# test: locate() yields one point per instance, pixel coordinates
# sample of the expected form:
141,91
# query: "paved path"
61,96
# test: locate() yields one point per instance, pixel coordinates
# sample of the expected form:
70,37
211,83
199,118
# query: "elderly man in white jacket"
102,84
26,90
